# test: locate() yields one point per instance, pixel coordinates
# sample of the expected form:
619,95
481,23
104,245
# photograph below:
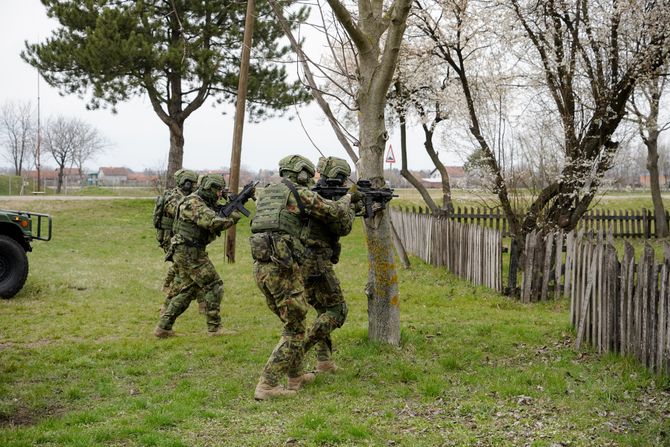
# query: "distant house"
141,179
457,178
645,181
49,177
92,179
110,176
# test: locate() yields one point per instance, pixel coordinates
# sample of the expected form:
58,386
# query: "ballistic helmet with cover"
296,163
332,167
209,181
184,175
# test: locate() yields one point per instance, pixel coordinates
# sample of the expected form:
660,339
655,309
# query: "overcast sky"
139,139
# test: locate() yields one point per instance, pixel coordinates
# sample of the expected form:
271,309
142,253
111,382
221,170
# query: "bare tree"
645,106
17,133
376,34
423,90
93,143
365,54
68,140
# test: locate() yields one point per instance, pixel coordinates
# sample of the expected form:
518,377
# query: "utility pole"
236,155
39,136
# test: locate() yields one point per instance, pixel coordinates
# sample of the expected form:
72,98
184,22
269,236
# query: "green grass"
610,200
11,185
79,366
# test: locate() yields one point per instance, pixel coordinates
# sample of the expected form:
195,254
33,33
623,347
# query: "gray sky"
139,139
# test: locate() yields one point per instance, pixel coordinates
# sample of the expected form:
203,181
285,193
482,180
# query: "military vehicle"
17,230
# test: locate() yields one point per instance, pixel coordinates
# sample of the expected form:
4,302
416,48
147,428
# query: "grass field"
612,200
79,366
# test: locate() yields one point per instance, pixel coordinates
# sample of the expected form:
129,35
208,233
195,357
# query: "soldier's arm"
324,209
206,218
343,226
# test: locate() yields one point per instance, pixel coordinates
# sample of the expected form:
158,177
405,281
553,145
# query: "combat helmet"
296,163
332,167
209,181
186,180
185,175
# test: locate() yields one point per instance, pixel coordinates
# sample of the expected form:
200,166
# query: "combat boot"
265,391
221,331
295,383
163,333
326,366
202,307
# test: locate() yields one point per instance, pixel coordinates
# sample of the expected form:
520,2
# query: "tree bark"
382,287
447,203
59,186
176,154
654,183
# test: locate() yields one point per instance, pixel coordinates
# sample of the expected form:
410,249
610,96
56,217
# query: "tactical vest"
271,212
192,233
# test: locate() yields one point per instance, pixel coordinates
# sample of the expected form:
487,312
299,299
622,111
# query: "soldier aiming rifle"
330,188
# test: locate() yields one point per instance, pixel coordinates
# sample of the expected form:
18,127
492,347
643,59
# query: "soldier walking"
164,212
282,211
196,225
322,251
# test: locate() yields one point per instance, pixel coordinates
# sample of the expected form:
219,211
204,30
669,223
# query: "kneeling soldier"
196,225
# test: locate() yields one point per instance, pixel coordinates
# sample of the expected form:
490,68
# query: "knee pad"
337,314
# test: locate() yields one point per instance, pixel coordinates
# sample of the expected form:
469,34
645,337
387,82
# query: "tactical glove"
356,196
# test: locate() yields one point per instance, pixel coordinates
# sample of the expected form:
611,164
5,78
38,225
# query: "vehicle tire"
13,267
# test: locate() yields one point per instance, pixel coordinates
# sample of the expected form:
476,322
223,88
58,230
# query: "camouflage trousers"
284,295
196,278
170,288
323,292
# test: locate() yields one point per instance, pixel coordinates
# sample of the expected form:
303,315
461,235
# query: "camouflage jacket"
319,234
196,223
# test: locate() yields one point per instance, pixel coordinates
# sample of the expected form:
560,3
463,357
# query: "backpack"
158,211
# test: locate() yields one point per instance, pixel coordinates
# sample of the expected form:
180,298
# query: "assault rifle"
330,189
236,201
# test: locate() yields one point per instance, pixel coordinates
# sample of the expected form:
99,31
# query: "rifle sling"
294,191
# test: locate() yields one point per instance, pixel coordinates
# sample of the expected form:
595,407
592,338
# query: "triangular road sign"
390,157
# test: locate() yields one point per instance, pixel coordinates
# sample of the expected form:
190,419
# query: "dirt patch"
22,416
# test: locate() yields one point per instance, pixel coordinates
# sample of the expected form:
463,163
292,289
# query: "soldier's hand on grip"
356,196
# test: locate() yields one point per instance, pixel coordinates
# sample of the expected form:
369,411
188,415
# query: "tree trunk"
447,203
60,179
176,156
382,287
405,172
654,183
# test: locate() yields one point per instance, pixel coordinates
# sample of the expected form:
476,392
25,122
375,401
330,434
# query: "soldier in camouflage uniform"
282,210
196,225
164,212
322,288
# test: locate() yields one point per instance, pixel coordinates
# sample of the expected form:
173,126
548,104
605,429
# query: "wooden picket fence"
472,252
622,223
616,304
